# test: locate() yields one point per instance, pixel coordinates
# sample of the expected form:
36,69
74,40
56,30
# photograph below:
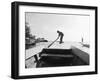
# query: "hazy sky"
46,25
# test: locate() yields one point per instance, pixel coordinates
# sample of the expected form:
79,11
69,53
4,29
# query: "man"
60,34
82,39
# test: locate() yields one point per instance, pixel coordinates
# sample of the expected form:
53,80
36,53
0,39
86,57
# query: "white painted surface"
64,45
81,54
32,51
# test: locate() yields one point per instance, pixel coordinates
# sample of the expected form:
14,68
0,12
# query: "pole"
53,42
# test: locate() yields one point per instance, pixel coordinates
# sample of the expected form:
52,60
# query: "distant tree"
27,30
29,38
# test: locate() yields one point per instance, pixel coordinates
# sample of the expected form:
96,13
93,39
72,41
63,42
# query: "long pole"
53,42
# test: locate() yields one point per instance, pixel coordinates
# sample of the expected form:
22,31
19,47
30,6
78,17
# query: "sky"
45,25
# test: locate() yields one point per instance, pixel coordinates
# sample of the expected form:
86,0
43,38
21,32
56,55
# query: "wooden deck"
80,52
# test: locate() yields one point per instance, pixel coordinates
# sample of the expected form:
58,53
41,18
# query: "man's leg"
61,38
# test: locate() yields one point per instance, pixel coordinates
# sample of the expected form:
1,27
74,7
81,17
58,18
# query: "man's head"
57,31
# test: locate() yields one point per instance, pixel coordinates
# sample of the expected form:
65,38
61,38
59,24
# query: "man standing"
82,39
60,34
